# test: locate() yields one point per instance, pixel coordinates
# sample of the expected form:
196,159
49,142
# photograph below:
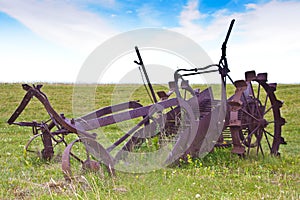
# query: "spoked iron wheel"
260,115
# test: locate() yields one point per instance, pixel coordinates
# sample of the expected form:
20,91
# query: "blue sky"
43,40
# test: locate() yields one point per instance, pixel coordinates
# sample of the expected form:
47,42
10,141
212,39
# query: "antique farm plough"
184,121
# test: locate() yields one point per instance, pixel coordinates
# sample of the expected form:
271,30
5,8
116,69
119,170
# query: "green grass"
219,175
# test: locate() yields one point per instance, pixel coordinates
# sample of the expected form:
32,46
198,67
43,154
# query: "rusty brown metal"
235,104
93,148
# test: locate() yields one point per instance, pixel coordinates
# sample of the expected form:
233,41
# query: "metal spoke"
269,133
261,149
267,139
257,108
266,100
258,91
268,110
250,114
250,134
258,101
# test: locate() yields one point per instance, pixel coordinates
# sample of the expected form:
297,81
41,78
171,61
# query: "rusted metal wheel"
31,147
261,121
45,149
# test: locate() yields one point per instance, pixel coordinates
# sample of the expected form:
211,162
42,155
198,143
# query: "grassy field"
219,175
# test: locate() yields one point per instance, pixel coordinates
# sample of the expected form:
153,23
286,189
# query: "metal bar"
145,72
205,72
123,116
250,115
110,109
226,39
22,105
122,139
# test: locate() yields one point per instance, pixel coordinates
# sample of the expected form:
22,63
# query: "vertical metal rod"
145,72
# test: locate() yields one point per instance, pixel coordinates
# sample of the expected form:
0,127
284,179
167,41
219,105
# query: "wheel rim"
261,117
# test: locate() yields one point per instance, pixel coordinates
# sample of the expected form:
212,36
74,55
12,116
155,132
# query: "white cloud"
148,16
67,35
103,3
189,14
60,22
250,6
264,38
192,21
269,40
